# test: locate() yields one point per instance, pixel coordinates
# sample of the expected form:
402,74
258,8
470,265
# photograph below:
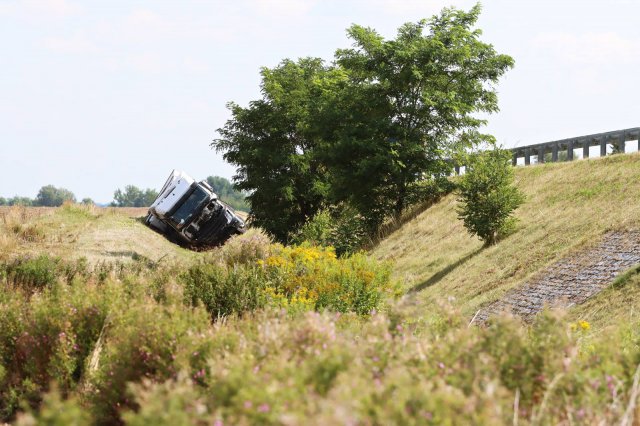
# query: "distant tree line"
48,196
132,196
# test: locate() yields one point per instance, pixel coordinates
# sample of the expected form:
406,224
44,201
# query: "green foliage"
87,201
223,291
146,341
225,191
273,144
367,129
414,101
132,196
340,227
301,278
488,196
131,357
298,278
46,339
57,411
16,201
173,402
32,274
50,196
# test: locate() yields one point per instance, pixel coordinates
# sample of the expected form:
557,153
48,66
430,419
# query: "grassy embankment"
568,206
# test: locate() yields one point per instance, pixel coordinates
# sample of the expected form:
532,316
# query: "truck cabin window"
189,208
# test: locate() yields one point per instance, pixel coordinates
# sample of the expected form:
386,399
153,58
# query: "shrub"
487,195
223,291
57,411
172,402
146,341
245,249
308,277
33,274
297,278
340,227
45,339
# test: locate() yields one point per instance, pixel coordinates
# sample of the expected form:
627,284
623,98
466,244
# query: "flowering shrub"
302,278
147,341
46,338
116,352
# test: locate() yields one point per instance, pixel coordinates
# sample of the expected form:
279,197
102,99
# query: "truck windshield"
189,208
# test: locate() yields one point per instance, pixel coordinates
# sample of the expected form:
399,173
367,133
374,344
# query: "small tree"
488,196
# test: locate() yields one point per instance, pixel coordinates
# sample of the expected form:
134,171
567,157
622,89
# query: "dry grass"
569,205
73,231
618,304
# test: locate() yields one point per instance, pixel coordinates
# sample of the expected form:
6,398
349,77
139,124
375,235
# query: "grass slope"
569,206
73,231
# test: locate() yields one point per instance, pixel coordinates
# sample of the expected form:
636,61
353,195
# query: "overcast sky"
95,95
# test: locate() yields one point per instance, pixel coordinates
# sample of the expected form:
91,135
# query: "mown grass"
73,231
568,206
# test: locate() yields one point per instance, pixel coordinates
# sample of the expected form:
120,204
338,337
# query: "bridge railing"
617,138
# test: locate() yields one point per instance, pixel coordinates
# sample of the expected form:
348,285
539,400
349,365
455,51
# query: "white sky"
95,95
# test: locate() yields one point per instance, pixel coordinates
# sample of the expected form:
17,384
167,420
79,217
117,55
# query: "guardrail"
617,139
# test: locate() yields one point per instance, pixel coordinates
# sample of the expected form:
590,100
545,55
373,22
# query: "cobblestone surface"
572,280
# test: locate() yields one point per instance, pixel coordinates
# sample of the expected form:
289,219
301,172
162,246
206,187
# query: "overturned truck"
190,213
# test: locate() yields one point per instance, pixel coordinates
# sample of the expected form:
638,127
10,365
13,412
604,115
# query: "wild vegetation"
256,332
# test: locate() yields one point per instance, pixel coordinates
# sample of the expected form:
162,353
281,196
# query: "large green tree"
273,143
367,130
51,196
413,103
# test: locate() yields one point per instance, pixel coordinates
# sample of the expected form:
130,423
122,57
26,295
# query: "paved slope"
572,280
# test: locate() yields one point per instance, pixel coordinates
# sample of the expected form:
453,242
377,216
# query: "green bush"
340,227
57,411
34,273
487,195
46,339
245,249
224,291
31,274
146,341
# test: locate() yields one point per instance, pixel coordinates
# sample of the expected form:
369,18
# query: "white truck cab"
191,213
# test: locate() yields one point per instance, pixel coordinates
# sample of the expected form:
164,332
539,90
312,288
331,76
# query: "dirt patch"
572,280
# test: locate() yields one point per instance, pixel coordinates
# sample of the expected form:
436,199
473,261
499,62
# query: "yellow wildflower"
584,325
